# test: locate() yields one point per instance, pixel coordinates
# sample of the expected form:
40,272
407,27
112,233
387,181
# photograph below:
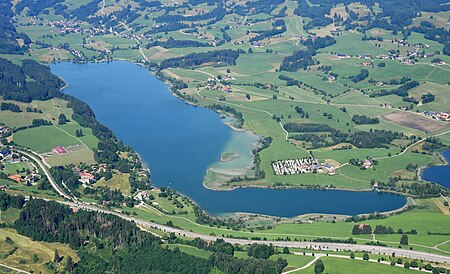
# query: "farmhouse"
342,56
365,56
227,89
15,159
86,177
15,177
3,130
444,116
142,195
59,150
367,164
5,153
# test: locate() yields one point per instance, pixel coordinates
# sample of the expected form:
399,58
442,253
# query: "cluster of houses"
301,166
67,27
343,56
403,42
417,53
441,116
29,178
397,57
212,84
87,177
8,156
367,163
4,131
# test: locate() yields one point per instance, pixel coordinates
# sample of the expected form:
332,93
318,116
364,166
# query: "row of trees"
365,120
10,106
402,91
306,127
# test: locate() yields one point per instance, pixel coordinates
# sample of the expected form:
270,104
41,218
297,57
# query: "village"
18,168
440,116
301,166
415,51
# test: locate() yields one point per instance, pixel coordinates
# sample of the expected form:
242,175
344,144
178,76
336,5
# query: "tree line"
15,86
223,57
107,243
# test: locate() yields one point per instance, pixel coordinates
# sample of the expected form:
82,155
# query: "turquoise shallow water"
180,142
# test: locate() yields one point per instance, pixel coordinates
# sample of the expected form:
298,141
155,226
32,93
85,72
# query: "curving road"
418,255
38,160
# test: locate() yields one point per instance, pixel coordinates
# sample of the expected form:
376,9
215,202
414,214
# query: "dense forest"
329,136
303,58
14,84
35,7
258,6
223,57
8,33
172,43
279,27
298,60
365,120
398,17
107,243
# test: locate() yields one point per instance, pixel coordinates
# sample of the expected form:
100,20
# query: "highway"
37,159
324,246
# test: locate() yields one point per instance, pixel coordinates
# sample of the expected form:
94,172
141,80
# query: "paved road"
418,255
46,172
14,269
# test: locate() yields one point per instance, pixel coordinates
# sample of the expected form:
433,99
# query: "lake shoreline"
214,204
445,163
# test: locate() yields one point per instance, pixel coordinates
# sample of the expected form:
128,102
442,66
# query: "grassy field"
13,168
419,219
25,249
9,216
119,181
341,266
43,139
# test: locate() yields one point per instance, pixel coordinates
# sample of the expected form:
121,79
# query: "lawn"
9,216
13,168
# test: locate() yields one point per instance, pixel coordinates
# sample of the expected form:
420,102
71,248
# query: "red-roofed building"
59,150
86,177
444,115
15,177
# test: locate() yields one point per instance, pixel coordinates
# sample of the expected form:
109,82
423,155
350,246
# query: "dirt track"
413,121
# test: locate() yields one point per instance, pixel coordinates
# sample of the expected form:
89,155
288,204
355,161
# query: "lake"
179,142
438,174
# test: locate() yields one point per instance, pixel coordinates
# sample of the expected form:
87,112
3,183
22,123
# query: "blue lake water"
439,174
179,142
